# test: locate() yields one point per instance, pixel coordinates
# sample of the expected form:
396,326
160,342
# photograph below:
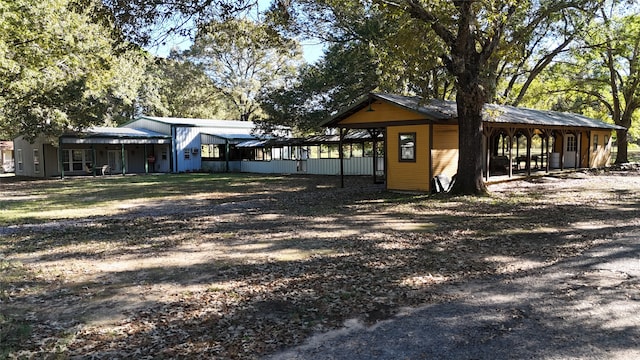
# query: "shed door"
570,149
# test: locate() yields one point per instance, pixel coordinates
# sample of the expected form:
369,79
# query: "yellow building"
421,138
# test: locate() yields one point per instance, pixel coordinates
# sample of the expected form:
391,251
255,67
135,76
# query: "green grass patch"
71,198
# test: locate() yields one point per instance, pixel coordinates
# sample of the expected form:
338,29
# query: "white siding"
352,166
269,167
187,149
221,166
23,151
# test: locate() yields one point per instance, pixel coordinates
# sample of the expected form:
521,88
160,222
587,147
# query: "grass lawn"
239,266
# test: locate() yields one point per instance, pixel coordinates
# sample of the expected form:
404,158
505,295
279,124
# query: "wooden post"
578,149
510,134
488,132
374,142
562,134
529,135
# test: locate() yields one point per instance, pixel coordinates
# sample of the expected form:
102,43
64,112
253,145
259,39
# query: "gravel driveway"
586,307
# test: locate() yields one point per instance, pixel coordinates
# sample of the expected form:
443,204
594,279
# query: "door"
570,150
114,158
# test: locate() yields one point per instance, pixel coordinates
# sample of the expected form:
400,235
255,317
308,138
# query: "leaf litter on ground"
254,272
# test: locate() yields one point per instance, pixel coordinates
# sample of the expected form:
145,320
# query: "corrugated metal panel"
214,166
269,167
156,126
187,140
352,166
439,110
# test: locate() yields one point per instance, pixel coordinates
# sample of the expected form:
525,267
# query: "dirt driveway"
586,307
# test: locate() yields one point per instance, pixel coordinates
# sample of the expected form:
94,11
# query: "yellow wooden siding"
601,156
403,175
445,150
382,112
585,148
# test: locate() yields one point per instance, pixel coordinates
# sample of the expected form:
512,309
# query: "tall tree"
534,44
153,22
468,37
342,75
58,69
604,75
244,59
177,88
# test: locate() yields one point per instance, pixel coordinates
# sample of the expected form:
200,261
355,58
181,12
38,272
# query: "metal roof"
118,132
207,123
112,135
351,137
442,110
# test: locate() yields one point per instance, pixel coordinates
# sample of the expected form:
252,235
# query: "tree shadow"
352,261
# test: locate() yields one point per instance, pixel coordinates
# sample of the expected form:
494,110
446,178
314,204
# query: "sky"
312,50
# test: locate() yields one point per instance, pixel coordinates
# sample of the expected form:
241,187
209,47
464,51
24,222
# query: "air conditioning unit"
194,151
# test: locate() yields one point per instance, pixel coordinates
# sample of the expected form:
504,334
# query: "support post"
529,135
227,148
341,154
488,132
93,160
146,160
510,134
122,165
60,158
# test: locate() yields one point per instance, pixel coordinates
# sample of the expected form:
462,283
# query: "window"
595,142
212,152
36,160
407,144
572,145
187,154
314,152
606,140
76,159
357,150
329,151
262,154
19,160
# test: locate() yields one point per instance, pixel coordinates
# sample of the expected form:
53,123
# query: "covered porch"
102,151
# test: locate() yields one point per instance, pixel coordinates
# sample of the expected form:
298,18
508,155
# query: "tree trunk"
621,139
470,101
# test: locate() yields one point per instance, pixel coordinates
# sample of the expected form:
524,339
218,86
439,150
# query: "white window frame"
36,161
19,161
572,143
86,159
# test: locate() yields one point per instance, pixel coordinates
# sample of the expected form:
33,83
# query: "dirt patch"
248,273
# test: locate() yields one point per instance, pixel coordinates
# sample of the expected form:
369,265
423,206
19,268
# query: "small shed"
6,156
421,138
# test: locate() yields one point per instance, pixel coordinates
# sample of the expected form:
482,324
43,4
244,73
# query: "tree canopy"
59,69
470,39
244,60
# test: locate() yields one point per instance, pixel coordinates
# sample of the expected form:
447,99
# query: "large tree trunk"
621,139
470,101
